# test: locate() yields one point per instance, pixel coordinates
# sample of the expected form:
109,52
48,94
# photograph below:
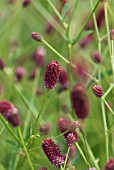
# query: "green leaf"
84,34
65,10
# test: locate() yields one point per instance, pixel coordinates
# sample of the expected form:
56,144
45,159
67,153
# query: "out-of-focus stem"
58,14
44,99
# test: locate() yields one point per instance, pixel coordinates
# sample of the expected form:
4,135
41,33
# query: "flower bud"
44,128
72,151
97,57
36,36
97,90
92,168
44,168
52,75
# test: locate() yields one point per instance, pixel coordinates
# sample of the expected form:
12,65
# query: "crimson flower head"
110,164
97,90
53,153
45,128
52,75
80,101
71,135
10,113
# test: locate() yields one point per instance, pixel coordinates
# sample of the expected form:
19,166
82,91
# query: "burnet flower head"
52,75
53,153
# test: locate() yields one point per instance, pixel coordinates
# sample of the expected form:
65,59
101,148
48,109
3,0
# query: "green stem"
83,27
112,56
81,152
25,148
68,62
107,27
105,130
66,158
107,105
109,89
58,14
28,116
44,99
73,12
9,129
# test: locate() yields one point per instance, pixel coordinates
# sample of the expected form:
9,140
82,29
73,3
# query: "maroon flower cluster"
10,113
80,101
71,135
110,164
36,36
53,153
97,90
39,57
52,75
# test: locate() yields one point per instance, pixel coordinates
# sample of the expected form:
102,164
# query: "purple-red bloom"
80,101
98,91
71,138
92,168
39,57
110,164
10,112
53,153
71,135
52,75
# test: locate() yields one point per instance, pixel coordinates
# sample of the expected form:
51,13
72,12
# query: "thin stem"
44,99
66,158
107,27
3,129
73,12
83,27
9,129
25,148
81,152
108,91
105,130
58,14
112,56
28,116
107,105
68,62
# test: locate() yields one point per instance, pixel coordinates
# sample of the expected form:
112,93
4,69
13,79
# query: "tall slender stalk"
25,148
